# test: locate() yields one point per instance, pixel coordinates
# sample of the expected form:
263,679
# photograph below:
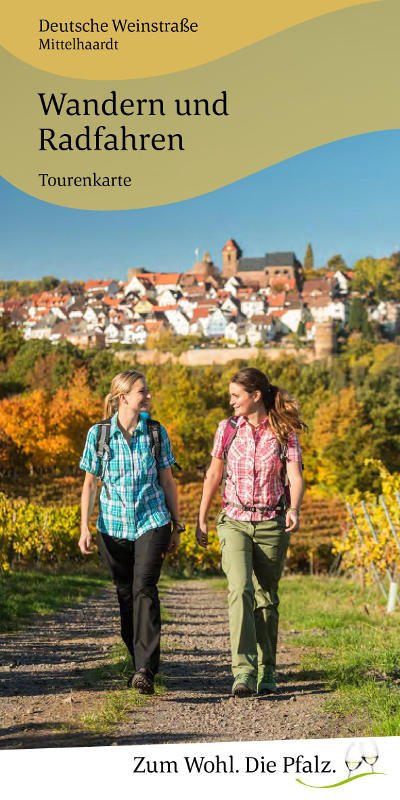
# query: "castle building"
204,269
271,270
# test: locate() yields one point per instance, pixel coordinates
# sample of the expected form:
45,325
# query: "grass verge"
23,594
349,643
118,702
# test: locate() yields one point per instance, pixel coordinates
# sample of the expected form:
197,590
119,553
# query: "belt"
254,509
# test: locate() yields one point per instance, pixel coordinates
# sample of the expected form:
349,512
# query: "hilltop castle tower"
272,269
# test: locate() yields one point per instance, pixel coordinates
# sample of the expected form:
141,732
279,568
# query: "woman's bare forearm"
211,483
167,482
296,484
88,499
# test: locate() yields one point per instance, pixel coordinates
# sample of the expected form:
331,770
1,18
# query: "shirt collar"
243,420
114,427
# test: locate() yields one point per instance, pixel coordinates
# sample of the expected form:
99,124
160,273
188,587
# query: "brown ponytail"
281,407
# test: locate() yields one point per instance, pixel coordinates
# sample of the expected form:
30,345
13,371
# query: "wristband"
296,510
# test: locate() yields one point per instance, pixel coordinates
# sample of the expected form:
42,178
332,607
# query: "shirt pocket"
147,466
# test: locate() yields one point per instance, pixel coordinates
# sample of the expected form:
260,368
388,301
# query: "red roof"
199,313
166,278
169,308
208,304
318,302
97,284
154,325
275,300
145,277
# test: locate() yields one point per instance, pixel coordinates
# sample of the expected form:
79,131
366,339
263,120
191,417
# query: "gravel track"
47,681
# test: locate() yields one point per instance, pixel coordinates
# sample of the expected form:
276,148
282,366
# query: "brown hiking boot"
143,681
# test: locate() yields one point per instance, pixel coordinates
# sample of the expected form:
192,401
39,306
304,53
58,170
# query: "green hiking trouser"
253,555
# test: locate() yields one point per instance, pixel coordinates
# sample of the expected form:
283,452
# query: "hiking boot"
267,682
143,681
244,685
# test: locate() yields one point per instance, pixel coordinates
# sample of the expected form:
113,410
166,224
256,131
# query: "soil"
50,678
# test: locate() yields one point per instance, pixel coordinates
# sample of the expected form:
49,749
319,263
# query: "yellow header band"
89,40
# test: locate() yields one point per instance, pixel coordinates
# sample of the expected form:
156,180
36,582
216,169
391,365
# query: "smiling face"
137,399
242,402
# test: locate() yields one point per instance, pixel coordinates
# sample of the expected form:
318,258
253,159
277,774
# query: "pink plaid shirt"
254,469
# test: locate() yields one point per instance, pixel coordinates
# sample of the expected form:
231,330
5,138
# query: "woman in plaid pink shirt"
261,504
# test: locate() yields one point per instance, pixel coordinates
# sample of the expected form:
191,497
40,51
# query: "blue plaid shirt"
131,499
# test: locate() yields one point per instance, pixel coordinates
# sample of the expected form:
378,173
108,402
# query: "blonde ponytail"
121,384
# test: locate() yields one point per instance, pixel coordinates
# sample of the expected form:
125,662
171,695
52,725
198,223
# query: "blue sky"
342,197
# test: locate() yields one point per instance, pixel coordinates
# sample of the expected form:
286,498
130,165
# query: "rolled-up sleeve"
293,448
167,458
217,450
90,462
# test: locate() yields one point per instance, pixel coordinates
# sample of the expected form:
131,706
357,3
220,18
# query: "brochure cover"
189,191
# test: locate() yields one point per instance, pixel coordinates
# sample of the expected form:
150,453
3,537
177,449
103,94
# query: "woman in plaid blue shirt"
138,500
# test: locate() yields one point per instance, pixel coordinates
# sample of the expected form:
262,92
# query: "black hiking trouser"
135,569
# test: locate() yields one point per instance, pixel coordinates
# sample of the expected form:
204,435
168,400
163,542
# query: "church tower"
231,253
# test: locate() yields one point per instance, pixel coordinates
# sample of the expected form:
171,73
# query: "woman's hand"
292,520
85,542
202,534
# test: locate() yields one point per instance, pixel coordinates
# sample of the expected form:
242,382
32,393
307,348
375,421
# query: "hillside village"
248,301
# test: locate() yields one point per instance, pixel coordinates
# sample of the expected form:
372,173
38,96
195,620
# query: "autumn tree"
341,439
50,430
378,278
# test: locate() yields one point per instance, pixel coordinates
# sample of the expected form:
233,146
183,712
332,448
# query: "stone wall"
212,355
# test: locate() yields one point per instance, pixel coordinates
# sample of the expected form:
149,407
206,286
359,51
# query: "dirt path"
48,682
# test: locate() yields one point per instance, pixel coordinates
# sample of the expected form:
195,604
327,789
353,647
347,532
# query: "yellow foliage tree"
339,440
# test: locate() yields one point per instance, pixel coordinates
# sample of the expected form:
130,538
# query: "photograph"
199,404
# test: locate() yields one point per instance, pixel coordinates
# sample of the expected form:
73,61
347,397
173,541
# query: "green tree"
358,318
301,329
378,277
49,282
11,338
336,262
16,379
309,259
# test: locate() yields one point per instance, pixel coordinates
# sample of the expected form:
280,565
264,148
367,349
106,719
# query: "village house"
324,309
177,320
113,332
214,324
168,297
41,326
134,333
187,306
387,315
235,331
197,322
99,287
254,304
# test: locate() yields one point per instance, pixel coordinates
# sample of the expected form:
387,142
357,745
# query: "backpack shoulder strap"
227,439
229,435
103,436
153,427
